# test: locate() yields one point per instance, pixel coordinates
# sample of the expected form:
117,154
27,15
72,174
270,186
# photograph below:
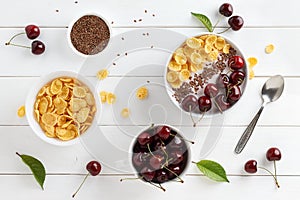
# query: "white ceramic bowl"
70,29
31,98
131,153
213,111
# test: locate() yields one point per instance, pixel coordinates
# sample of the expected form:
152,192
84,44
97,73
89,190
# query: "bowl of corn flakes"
62,107
206,75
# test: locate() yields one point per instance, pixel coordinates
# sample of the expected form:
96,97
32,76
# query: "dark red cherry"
273,154
37,47
144,138
164,132
32,31
226,9
139,159
222,102
236,22
204,103
189,103
176,157
234,93
147,174
161,176
156,161
211,90
177,169
251,166
237,77
222,81
236,62
176,143
93,167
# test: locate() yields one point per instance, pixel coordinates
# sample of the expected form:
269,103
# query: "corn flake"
21,111
142,93
125,112
111,98
269,48
252,61
102,74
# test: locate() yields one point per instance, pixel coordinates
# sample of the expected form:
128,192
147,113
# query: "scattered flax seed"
144,34
147,34
152,47
146,11
140,20
134,21
112,22
123,38
153,15
76,2
56,10
126,54
148,81
118,54
21,111
114,64
269,48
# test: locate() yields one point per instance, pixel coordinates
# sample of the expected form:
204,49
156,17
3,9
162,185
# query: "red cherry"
37,47
236,62
156,161
222,81
234,93
237,77
164,132
222,102
189,103
211,90
144,138
93,167
204,103
226,9
273,154
32,31
251,166
236,22
147,174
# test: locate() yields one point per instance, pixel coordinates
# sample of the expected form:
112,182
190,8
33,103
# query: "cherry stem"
195,122
18,45
275,171
275,178
128,179
224,30
216,23
217,105
174,174
158,186
80,185
8,43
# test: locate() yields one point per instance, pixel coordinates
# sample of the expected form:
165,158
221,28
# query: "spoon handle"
248,132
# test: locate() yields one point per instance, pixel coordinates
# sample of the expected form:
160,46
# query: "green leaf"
205,21
212,170
36,167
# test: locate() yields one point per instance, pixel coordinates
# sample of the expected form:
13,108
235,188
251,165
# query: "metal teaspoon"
270,92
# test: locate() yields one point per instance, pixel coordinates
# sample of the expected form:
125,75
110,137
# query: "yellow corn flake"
208,48
174,66
111,98
252,61
269,48
226,48
180,59
142,93
211,39
56,86
172,76
79,92
21,111
125,112
176,84
194,43
102,74
220,43
185,75
103,95
251,73
196,58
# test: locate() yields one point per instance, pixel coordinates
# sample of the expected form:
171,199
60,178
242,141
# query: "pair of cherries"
32,32
235,22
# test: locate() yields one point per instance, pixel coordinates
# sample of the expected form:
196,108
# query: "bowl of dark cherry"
160,154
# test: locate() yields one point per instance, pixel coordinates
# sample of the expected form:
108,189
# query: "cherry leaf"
205,21
36,167
212,170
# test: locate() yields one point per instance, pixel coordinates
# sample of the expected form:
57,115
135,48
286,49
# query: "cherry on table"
226,9
237,77
236,22
204,103
251,166
32,31
37,47
236,62
164,132
273,154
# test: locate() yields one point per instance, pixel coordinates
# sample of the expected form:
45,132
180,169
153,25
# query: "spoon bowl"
270,92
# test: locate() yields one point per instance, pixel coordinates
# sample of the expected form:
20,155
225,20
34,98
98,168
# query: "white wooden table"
265,22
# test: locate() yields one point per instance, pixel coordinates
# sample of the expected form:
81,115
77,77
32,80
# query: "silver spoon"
270,92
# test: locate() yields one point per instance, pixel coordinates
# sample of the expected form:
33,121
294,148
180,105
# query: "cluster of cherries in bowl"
160,154
224,92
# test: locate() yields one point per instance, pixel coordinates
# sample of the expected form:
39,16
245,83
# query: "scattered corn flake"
103,95
125,112
111,98
251,73
21,111
269,48
142,93
102,74
252,61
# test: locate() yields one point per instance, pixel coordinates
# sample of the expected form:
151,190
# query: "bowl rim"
31,98
184,172
70,26
167,87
